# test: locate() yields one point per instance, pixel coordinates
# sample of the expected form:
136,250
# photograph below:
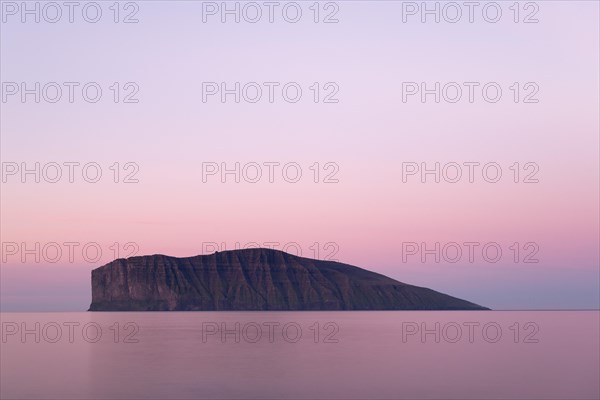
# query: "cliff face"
254,279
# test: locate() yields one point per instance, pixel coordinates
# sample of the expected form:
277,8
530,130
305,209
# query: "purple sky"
362,207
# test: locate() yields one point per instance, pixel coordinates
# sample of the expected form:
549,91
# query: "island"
257,279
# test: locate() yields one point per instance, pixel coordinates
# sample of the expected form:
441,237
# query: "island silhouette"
257,279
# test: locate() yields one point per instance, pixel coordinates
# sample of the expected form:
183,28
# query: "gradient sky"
369,133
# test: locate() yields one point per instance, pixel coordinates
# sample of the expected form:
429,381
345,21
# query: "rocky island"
254,280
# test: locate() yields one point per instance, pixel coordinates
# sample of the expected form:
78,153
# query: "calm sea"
301,355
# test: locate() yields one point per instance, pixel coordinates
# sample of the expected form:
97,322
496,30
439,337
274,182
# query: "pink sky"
370,212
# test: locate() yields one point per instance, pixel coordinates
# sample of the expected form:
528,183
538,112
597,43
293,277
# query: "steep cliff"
254,279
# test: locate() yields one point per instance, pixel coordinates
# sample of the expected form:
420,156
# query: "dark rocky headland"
254,280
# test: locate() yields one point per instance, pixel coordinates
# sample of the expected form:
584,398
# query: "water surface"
301,355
